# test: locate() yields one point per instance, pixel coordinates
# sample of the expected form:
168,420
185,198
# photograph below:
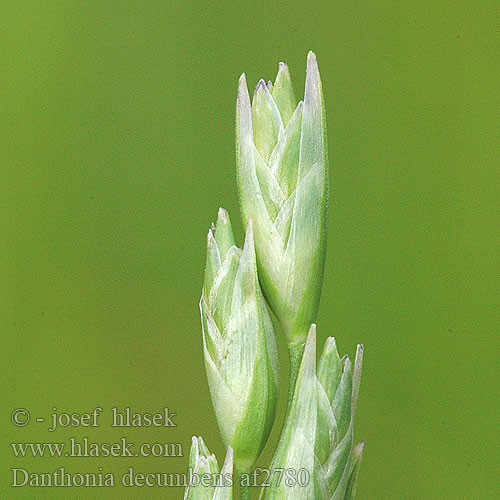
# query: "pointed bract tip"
199,446
359,354
358,360
358,449
309,356
249,230
283,73
311,337
312,70
242,84
242,88
299,107
346,361
229,457
260,87
248,252
222,215
211,246
330,344
282,68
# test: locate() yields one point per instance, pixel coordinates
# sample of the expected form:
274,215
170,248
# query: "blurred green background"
117,148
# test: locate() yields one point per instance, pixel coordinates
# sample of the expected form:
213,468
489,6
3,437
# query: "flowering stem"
244,492
244,475
295,351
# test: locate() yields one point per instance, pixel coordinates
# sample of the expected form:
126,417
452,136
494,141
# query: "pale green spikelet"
217,484
239,345
282,167
318,432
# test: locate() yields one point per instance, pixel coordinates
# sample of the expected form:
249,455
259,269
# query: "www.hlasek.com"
86,448
61,478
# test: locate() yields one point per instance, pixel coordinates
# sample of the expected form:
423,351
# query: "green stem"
244,488
295,351
244,492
